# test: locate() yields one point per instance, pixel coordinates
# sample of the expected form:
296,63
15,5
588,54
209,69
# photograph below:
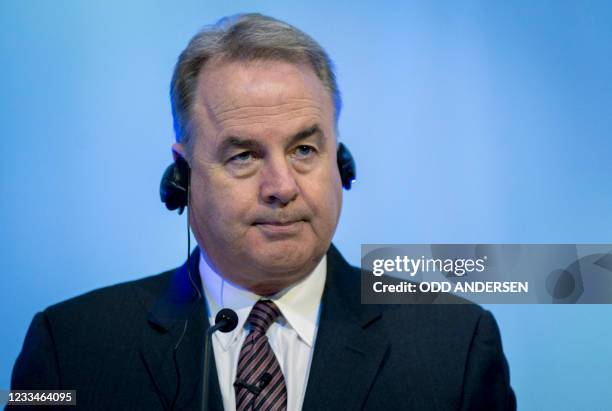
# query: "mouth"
277,223
275,228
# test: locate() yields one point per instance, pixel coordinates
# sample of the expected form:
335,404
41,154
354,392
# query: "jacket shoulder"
142,287
112,307
61,339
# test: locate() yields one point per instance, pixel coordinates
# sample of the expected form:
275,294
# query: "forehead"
234,94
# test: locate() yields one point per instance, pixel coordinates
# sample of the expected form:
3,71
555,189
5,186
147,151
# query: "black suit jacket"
115,347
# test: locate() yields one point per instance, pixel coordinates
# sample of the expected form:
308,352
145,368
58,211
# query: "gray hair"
245,37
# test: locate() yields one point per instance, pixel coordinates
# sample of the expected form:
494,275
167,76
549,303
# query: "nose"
278,185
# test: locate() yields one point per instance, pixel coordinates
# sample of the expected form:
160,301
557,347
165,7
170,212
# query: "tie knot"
262,315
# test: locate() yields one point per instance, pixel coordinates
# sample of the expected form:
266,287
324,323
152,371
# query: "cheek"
220,206
325,200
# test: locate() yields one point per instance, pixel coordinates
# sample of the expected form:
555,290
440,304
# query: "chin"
284,258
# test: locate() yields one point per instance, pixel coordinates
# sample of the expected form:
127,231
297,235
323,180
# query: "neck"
260,283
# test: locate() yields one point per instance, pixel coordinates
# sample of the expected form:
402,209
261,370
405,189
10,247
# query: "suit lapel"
347,355
178,319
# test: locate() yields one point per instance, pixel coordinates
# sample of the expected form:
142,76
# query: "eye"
241,158
304,151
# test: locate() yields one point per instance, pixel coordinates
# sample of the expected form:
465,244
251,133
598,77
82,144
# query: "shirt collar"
298,303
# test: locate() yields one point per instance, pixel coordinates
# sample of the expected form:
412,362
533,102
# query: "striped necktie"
260,384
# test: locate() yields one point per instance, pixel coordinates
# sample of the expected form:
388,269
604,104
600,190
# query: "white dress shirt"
291,337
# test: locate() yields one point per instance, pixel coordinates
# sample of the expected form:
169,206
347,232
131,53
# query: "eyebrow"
234,142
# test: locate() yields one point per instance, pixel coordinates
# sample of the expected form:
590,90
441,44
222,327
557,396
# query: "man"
256,105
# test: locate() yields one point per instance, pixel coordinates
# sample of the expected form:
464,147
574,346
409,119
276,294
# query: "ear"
178,151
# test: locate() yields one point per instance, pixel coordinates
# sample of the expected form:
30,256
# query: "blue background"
472,122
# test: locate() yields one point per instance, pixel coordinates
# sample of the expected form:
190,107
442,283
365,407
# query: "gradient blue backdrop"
471,122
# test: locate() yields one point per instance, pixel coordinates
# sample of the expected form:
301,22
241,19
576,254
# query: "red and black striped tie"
260,384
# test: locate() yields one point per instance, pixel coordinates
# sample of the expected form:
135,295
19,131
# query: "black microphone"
225,321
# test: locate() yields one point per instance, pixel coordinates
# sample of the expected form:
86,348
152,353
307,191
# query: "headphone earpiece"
346,165
174,184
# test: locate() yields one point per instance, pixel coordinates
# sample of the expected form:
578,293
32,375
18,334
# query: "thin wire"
197,290
223,292
178,343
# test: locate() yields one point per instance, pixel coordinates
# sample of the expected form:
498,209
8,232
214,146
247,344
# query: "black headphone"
175,181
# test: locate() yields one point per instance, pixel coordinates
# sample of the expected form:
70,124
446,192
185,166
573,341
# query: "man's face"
265,187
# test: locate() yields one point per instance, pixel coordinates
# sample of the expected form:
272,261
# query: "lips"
281,219
277,223
279,228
